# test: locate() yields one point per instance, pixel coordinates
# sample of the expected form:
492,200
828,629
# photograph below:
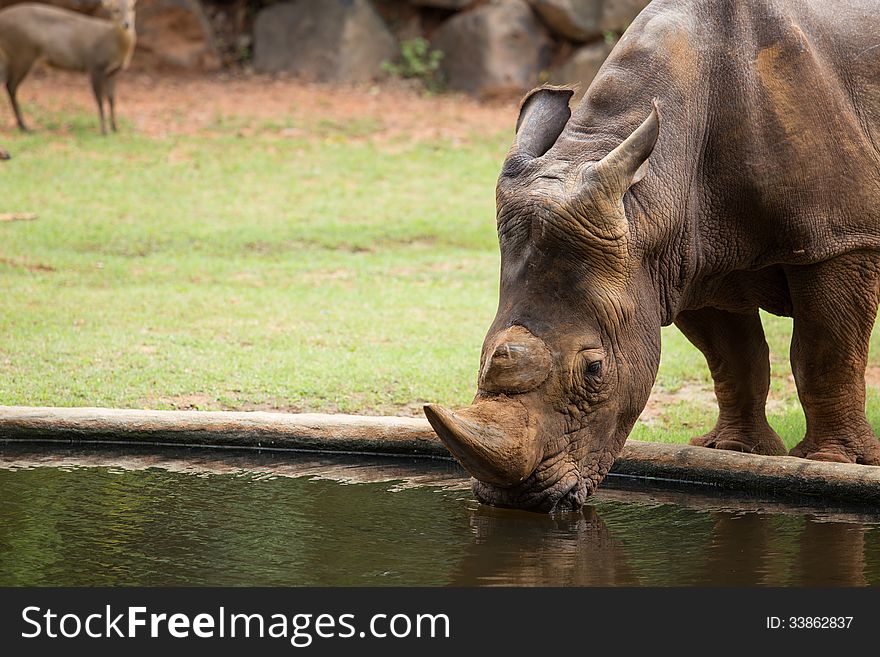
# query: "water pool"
204,517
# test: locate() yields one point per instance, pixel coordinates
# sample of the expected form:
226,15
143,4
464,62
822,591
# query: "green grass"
329,272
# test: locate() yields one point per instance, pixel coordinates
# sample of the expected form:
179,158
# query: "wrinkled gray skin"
753,182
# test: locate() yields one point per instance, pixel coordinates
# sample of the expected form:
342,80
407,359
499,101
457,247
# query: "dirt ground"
160,105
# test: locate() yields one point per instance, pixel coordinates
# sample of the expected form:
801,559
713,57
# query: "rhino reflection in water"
574,549
718,548
726,158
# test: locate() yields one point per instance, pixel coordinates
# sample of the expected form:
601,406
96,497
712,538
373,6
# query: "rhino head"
568,363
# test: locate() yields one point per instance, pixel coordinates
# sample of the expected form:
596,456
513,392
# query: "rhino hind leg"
739,359
835,305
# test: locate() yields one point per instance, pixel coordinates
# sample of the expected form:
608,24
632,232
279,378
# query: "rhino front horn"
492,440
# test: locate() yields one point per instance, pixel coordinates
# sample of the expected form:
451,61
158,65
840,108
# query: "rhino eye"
595,367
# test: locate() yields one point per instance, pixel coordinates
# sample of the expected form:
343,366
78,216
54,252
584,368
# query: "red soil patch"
160,105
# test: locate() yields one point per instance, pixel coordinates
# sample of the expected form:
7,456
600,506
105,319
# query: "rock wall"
490,47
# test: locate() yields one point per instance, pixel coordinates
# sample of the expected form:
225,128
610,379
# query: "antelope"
67,40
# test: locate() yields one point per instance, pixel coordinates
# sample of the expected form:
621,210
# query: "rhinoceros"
725,159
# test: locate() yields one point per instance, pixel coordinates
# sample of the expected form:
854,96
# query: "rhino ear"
628,163
543,114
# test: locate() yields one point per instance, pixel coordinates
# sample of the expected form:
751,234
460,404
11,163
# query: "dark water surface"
227,518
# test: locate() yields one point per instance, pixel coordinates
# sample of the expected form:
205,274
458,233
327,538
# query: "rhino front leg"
835,305
739,359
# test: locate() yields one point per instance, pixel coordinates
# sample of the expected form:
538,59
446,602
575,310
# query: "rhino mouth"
557,486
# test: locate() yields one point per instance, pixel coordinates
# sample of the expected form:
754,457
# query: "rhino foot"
764,441
864,450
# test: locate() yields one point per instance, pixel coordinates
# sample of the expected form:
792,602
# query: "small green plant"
419,62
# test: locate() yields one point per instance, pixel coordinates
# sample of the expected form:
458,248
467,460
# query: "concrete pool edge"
400,436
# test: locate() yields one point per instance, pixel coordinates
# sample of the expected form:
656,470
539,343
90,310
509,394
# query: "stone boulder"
586,20
496,49
582,66
327,41
175,33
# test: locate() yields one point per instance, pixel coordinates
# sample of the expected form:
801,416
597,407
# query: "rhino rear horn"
627,164
542,117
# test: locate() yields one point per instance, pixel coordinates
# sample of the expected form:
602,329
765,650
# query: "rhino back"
769,147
